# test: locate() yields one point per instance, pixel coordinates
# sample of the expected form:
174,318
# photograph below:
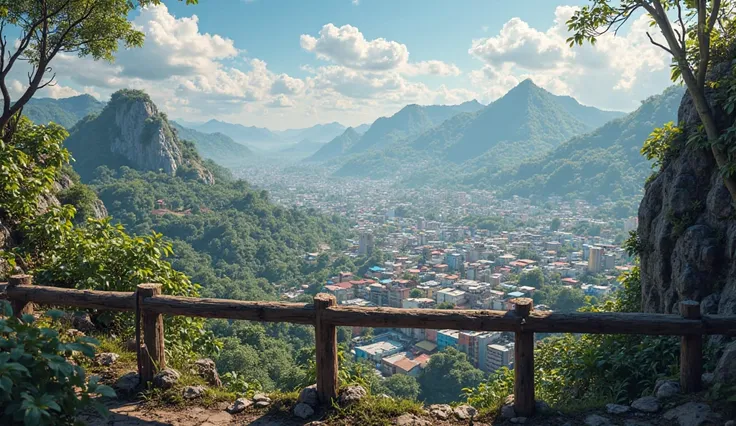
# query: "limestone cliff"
132,132
687,227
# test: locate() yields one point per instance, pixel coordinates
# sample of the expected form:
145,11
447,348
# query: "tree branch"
661,46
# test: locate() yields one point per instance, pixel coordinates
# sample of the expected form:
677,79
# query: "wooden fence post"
523,363
326,343
691,351
20,307
151,357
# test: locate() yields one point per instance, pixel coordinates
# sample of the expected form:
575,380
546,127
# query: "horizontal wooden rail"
86,299
297,313
325,315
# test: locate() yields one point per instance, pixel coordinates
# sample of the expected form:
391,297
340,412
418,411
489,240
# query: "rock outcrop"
687,229
132,132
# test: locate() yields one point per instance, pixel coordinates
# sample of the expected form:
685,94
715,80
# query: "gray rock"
508,412
707,379
192,392
730,423
465,412
309,396
617,409
131,345
664,389
128,383
351,395
261,397
303,410
725,371
207,370
440,411
692,414
411,420
106,359
646,404
83,322
239,405
262,404
518,420
596,420
541,407
166,378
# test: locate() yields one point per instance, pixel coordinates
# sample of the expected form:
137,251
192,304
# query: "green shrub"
39,385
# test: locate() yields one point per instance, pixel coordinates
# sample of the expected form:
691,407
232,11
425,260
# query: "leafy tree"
446,375
93,28
555,224
415,293
701,35
533,278
402,386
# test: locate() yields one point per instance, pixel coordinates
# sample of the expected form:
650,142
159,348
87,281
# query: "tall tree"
702,33
93,28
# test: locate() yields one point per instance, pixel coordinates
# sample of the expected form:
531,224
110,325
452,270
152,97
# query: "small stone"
239,405
309,396
440,411
303,410
617,408
692,414
74,333
262,404
646,404
542,407
259,397
508,412
106,359
666,389
128,382
207,370
518,420
411,420
351,394
191,392
730,423
465,412
83,322
166,378
596,420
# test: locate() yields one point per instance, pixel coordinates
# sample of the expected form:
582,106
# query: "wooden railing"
326,315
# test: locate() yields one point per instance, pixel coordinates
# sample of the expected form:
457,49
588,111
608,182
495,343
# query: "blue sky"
295,63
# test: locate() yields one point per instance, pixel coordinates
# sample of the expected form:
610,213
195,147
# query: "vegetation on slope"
65,112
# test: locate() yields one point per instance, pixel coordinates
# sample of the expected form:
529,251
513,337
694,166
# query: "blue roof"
376,269
385,281
516,294
330,282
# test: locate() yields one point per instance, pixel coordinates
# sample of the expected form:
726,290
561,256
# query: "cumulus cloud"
615,73
280,101
432,67
347,46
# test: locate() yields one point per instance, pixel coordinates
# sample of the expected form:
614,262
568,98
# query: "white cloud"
280,101
616,72
432,67
347,46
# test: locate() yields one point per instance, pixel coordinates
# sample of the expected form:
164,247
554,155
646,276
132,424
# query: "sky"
296,63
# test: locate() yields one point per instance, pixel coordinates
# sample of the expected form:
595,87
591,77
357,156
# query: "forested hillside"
604,164
66,112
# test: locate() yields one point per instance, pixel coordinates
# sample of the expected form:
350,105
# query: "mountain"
362,128
217,147
336,147
130,131
526,122
606,163
66,112
410,121
304,147
317,133
241,134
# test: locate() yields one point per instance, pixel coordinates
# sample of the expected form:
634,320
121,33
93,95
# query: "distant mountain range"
320,133
66,112
217,147
526,122
603,164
